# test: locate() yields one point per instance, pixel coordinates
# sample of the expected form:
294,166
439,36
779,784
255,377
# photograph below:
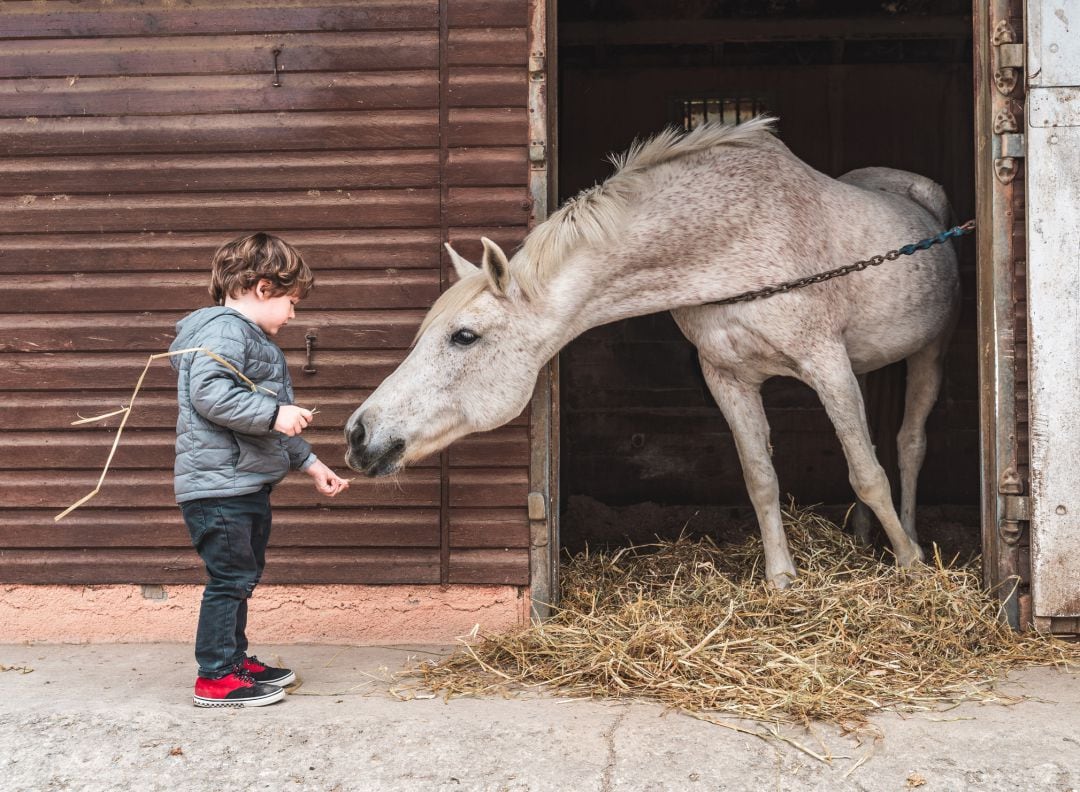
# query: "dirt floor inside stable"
587,522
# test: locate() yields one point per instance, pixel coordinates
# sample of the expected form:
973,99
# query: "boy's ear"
264,289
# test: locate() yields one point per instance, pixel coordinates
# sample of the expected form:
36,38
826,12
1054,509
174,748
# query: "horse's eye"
464,338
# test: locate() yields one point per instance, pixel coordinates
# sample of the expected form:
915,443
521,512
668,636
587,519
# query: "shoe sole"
260,701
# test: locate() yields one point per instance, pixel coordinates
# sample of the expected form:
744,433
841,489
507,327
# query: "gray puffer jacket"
225,443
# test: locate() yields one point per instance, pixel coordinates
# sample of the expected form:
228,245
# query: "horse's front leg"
745,414
829,373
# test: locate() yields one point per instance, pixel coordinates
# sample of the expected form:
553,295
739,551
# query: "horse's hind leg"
923,383
831,376
860,513
745,414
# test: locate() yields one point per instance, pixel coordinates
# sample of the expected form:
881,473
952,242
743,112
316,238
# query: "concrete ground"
119,717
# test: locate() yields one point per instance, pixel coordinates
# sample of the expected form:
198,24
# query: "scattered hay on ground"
694,626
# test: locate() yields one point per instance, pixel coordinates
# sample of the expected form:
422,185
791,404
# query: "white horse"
685,219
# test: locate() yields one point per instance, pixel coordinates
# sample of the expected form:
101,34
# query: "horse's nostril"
356,439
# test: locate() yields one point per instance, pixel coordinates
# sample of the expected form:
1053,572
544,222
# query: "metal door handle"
309,345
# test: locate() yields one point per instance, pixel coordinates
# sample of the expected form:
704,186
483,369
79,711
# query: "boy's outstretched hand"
327,481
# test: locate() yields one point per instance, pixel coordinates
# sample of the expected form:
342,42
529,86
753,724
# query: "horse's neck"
606,286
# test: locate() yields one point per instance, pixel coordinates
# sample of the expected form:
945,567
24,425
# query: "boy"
233,444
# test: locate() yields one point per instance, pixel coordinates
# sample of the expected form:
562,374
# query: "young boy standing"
233,444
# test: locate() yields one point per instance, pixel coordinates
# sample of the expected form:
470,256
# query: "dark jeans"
230,535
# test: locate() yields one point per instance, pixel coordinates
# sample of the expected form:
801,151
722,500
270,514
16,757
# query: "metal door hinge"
537,152
537,506
1011,147
1009,59
1015,509
537,67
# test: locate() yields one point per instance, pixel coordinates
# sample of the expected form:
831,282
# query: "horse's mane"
591,216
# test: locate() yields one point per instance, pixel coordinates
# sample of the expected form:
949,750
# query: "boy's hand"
327,481
292,420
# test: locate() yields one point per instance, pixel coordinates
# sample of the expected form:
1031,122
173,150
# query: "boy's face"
273,312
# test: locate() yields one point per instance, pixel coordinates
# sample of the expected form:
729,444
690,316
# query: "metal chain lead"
847,269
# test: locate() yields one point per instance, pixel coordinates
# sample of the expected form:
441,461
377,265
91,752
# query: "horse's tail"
926,193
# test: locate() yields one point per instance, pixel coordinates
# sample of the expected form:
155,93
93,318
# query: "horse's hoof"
911,558
781,580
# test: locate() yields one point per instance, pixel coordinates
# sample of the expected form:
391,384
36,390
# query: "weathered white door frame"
1052,134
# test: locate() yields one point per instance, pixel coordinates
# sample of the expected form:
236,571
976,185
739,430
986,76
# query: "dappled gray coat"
225,443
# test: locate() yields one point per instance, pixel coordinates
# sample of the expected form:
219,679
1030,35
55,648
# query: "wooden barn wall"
135,138
639,423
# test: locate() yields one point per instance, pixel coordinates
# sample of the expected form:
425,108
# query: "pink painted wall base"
357,615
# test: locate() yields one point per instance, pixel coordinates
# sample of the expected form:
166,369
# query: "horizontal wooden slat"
154,489
156,409
496,528
488,488
466,239
488,86
320,171
149,173
90,527
508,567
131,17
153,332
487,167
210,94
507,446
355,289
205,211
87,447
488,13
377,129
111,370
332,51
487,47
372,248
480,205
304,566
483,126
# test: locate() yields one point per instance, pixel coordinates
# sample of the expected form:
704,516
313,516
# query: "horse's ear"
462,266
495,266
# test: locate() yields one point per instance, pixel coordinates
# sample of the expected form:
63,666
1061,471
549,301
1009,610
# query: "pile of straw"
694,626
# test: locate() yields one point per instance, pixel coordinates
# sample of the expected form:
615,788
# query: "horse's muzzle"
372,458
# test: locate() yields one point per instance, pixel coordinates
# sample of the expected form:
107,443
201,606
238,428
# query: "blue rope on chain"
956,231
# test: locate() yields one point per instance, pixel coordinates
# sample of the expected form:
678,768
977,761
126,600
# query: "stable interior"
644,449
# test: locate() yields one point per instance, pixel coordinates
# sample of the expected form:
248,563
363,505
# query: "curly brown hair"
239,265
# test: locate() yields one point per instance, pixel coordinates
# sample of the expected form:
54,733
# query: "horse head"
472,368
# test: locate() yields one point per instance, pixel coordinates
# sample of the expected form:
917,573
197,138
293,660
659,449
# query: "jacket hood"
188,327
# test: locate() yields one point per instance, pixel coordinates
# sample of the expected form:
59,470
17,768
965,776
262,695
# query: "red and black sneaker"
237,689
261,672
